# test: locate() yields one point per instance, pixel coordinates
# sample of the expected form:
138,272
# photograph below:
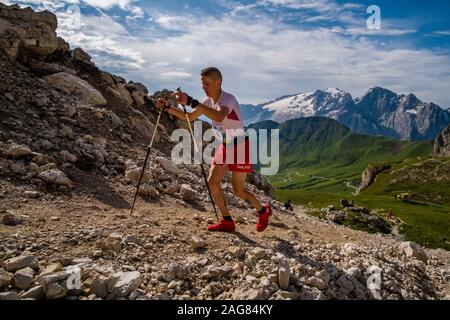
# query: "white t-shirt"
232,125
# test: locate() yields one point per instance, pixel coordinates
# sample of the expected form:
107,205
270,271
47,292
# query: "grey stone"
21,262
76,86
55,176
187,193
121,284
17,151
10,219
36,293
168,165
32,194
5,278
413,250
23,278
284,274
197,242
8,296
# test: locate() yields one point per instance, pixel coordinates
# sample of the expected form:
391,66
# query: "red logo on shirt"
233,116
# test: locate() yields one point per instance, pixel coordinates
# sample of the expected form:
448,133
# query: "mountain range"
379,112
320,142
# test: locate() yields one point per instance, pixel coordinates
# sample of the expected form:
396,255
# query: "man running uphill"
224,111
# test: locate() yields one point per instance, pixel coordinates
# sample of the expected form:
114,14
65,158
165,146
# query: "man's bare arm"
201,109
216,115
180,114
213,114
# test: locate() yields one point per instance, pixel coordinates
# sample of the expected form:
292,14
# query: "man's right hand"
162,104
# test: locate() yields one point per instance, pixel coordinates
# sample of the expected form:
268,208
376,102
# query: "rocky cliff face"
442,143
28,33
370,174
405,117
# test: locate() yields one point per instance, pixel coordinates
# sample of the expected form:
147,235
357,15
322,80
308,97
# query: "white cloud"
57,5
136,13
103,38
51,5
108,4
318,5
443,32
170,22
366,32
260,63
176,75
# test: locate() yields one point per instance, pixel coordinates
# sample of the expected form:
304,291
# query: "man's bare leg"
216,175
238,181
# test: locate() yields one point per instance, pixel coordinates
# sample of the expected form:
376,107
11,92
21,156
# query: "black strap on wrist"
194,103
191,102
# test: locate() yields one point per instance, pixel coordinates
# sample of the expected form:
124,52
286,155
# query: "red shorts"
241,161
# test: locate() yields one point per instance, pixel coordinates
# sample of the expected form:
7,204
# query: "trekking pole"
146,160
201,164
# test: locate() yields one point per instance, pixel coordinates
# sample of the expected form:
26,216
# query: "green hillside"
321,162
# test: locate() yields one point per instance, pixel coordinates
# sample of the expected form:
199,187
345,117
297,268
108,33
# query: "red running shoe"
263,219
223,225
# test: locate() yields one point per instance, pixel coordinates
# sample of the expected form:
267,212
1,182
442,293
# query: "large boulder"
5,278
55,176
17,151
25,32
121,284
57,285
138,91
260,182
413,250
187,193
442,143
369,175
143,126
133,173
73,85
23,278
168,165
80,54
21,262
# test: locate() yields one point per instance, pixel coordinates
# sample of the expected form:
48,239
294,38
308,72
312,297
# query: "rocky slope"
378,112
72,139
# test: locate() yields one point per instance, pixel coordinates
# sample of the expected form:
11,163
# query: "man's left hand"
182,98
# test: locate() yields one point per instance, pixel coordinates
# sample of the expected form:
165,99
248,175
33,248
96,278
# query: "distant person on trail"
390,214
224,111
288,205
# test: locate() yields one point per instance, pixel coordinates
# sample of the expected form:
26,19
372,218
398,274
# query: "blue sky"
265,48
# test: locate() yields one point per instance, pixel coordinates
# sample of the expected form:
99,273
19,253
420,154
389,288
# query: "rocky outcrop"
77,87
261,182
25,32
356,217
370,174
442,144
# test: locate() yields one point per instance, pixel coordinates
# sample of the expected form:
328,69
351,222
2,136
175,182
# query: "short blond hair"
212,72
